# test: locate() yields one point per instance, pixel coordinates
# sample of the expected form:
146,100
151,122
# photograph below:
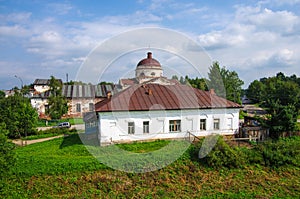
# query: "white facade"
115,127
41,88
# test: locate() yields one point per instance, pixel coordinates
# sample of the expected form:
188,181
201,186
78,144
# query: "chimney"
149,55
212,91
149,91
108,94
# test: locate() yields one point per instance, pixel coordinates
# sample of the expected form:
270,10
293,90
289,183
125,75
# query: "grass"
42,122
64,168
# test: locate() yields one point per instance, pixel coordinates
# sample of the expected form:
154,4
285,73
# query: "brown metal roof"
149,61
143,97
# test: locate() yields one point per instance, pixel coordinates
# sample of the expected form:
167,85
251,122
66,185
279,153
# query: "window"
130,127
202,124
216,124
91,107
146,127
229,123
174,125
78,107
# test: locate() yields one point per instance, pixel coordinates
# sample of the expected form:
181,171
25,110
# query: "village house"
81,98
150,110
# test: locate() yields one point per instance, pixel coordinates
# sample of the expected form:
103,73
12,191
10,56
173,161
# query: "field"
64,168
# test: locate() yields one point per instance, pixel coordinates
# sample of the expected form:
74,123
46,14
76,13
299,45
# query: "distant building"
81,98
148,70
42,85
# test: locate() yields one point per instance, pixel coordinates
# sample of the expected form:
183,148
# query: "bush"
7,153
285,151
222,155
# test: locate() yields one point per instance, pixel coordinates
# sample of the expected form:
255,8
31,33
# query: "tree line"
280,96
225,83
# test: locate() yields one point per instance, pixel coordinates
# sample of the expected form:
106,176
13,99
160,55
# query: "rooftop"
149,61
144,97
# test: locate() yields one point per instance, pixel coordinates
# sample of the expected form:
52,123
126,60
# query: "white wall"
113,126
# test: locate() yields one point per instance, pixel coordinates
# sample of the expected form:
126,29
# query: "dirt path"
27,142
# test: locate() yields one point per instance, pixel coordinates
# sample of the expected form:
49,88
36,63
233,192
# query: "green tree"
18,115
58,105
256,91
200,83
215,80
7,153
282,119
2,94
226,83
175,77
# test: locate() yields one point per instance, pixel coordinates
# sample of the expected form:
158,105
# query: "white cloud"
257,39
60,8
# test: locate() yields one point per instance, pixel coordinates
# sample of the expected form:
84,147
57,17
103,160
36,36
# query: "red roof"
149,61
144,97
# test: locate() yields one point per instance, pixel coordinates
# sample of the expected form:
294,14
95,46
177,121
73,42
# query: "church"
151,107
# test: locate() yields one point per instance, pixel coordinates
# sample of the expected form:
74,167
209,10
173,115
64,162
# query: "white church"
151,107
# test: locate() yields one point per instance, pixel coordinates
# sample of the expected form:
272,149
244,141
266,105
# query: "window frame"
131,128
146,125
78,107
202,124
216,123
174,126
91,106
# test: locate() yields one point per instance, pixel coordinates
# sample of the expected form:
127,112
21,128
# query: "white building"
148,70
154,111
151,106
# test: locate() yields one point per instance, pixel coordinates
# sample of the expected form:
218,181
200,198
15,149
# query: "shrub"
222,155
7,153
285,151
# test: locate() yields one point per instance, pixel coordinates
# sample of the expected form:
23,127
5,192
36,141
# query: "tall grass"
64,168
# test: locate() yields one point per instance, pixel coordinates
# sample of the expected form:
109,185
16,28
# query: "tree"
175,77
226,83
2,94
282,118
18,115
7,153
215,80
256,91
282,88
58,104
200,83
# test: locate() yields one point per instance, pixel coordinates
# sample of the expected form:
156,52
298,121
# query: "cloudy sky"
43,38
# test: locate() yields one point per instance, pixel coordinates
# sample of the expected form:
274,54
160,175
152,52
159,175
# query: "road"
27,142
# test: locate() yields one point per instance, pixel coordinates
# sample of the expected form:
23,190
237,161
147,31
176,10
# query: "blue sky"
43,38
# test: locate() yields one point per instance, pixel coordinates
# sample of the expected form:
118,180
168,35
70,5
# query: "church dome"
149,61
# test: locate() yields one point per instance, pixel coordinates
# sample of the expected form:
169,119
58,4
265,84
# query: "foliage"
283,152
280,95
282,119
2,94
226,83
63,168
7,153
200,83
57,102
222,155
284,89
18,115
50,133
47,123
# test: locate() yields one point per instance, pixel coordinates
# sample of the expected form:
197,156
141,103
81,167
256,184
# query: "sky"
43,38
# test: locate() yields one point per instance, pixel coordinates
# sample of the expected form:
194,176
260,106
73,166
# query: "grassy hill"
63,168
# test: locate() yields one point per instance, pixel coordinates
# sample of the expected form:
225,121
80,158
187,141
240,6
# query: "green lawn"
45,123
64,168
